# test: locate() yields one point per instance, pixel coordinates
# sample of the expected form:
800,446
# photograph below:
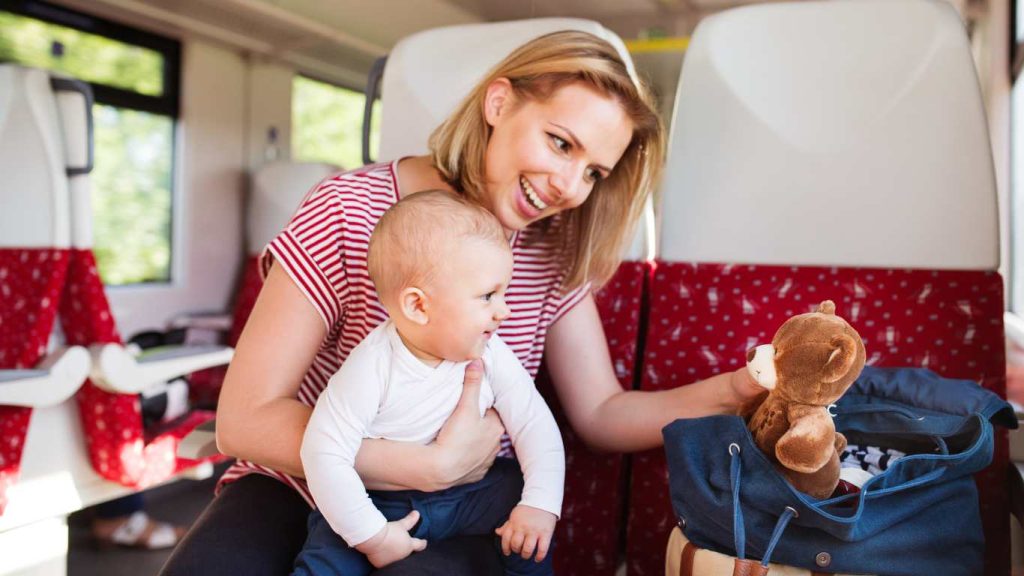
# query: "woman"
564,148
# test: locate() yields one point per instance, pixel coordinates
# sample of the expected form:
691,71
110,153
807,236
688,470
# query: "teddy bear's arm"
810,441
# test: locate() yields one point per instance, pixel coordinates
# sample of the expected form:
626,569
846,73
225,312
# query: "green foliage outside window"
131,197
134,151
85,56
327,124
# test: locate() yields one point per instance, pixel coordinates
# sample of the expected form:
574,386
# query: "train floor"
179,503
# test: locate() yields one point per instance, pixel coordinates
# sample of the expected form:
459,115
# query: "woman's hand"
742,391
467,444
462,452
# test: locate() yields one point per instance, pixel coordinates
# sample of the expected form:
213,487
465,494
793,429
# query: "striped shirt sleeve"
309,250
569,300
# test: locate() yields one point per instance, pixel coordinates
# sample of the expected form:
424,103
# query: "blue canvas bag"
920,516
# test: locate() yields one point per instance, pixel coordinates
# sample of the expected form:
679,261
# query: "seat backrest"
35,188
277,190
826,150
34,238
827,130
426,76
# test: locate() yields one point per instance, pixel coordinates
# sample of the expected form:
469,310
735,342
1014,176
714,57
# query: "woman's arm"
610,418
259,416
260,419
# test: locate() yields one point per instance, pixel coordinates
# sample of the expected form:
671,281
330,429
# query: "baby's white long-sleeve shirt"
383,391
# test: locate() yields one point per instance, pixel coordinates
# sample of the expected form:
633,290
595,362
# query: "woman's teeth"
535,200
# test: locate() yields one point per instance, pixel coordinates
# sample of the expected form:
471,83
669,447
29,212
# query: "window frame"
167,104
1016,52
1016,48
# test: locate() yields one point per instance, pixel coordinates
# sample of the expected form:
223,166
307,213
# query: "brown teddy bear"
810,363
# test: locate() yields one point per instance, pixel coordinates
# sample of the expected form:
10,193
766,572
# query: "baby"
441,266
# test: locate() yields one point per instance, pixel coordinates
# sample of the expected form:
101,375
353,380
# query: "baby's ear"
412,303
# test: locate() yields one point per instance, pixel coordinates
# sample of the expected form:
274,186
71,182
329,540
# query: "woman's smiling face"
545,156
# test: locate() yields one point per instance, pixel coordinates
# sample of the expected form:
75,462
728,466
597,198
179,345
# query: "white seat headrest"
429,73
34,195
277,190
831,133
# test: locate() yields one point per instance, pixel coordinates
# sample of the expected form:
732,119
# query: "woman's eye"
594,175
560,143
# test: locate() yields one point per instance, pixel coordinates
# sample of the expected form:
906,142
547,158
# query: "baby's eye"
560,143
487,297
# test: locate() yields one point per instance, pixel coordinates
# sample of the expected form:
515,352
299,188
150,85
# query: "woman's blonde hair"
600,228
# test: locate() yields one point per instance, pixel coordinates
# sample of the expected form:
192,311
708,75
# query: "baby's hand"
527,530
393,542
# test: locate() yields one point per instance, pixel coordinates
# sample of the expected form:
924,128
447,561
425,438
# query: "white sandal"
141,531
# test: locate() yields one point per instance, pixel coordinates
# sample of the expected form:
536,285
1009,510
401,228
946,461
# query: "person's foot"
136,531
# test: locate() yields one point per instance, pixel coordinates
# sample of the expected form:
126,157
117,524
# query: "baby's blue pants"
470,509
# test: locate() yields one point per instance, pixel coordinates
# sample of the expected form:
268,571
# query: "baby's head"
441,265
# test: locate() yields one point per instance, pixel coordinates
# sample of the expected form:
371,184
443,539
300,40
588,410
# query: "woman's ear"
497,100
413,304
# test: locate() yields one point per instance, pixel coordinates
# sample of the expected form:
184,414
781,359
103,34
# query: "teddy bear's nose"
751,353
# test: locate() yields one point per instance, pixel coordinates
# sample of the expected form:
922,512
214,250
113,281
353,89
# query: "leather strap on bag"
748,567
686,560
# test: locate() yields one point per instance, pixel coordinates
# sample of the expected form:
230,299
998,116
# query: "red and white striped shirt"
323,249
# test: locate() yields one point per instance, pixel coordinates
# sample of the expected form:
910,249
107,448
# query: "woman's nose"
567,184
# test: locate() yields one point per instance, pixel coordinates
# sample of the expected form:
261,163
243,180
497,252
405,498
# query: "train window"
132,195
134,77
327,123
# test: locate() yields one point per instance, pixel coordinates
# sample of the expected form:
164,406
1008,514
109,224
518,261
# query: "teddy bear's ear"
827,307
844,354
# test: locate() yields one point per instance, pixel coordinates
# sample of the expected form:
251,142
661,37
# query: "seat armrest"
204,321
55,380
200,443
117,370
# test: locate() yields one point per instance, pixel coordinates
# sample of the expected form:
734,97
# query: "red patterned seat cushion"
704,318
589,533
115,441
30,283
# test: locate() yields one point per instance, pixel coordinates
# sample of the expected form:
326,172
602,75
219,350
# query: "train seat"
119,449
46,144
277,189
826,150
34,256
417,96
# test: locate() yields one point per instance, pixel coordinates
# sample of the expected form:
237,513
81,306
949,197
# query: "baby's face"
467,299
